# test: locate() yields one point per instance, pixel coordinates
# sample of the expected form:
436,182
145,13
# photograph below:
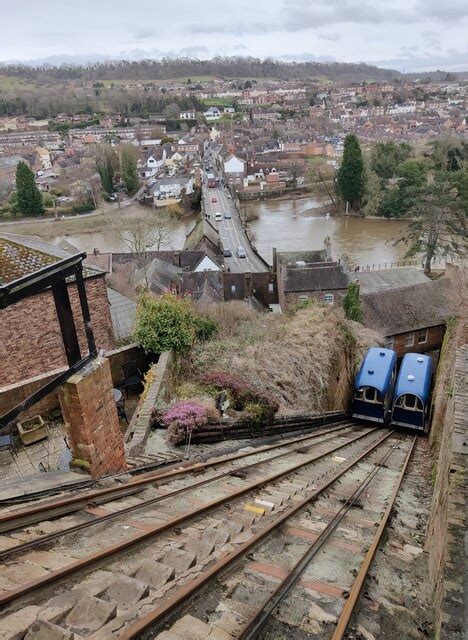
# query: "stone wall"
445,538
159,385
11,395
31,343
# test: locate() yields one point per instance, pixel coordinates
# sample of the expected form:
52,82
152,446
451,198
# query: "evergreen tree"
437,224
29,197
105,167
350,179
352,303
128,164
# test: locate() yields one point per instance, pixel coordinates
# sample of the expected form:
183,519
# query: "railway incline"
244,545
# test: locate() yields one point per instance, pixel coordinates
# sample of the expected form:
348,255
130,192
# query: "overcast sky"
408,35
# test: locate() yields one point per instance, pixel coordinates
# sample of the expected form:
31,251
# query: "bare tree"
141,235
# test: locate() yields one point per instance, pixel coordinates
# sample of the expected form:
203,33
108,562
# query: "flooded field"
293,225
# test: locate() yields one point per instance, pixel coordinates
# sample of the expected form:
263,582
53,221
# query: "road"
231,231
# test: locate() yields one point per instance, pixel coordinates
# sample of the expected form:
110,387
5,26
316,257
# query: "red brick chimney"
91,419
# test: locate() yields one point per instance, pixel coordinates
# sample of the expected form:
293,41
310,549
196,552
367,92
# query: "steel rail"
45,539
158,614
256,624
14,594
364,569
15,519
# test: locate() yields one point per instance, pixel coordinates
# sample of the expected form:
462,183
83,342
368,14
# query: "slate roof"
409,308
123,313
204,286
314,278
388,278
291,257
159,275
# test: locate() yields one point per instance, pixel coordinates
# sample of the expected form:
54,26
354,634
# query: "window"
409,402
359,393
271,287
390,342
371,395
329,298
409,339
422,336
233,288
303,296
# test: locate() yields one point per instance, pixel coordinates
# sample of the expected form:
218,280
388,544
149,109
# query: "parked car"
227,215
218,216
227,253
214,199
240,251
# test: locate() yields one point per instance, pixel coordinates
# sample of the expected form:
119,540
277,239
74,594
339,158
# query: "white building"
213,113
171,188
187,115
234,169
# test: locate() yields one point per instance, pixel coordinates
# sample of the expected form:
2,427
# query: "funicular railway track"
189,533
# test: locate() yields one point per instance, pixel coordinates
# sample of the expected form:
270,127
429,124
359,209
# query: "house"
169,188
309,275
187,115
229,110
154,163
412,318
234,169
212,113
8,166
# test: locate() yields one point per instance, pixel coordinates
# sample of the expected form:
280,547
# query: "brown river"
292,225
289,225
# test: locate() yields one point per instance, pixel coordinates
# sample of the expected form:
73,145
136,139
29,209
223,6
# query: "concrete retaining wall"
159,386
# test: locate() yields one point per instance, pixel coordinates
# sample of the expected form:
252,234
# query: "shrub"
205,328
164,323
352,303
257,414
242,394
184,418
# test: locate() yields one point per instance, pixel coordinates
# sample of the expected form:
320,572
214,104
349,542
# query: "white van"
218,216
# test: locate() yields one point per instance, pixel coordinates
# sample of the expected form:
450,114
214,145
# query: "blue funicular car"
411,400
374,385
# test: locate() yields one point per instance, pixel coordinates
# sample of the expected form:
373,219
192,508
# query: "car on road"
227,215
227,253
214,199
240,251
218,216
229,196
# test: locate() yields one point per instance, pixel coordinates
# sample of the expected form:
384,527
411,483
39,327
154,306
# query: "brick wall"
289,299
11,395
31,343
435,337
91,419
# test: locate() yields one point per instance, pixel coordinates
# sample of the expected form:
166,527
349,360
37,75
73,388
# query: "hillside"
306,361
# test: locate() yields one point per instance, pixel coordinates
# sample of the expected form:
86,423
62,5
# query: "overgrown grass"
292,358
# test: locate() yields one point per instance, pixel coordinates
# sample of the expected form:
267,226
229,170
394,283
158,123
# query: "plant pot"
32,430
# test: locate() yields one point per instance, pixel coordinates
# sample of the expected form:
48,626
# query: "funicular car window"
410,402
359,393
371,395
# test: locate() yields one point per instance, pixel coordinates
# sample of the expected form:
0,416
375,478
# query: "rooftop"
22,256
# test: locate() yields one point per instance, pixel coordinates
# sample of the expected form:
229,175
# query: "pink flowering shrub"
182,419
224,381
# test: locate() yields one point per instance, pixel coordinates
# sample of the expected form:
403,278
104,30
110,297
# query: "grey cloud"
448,11
144,34
331,37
